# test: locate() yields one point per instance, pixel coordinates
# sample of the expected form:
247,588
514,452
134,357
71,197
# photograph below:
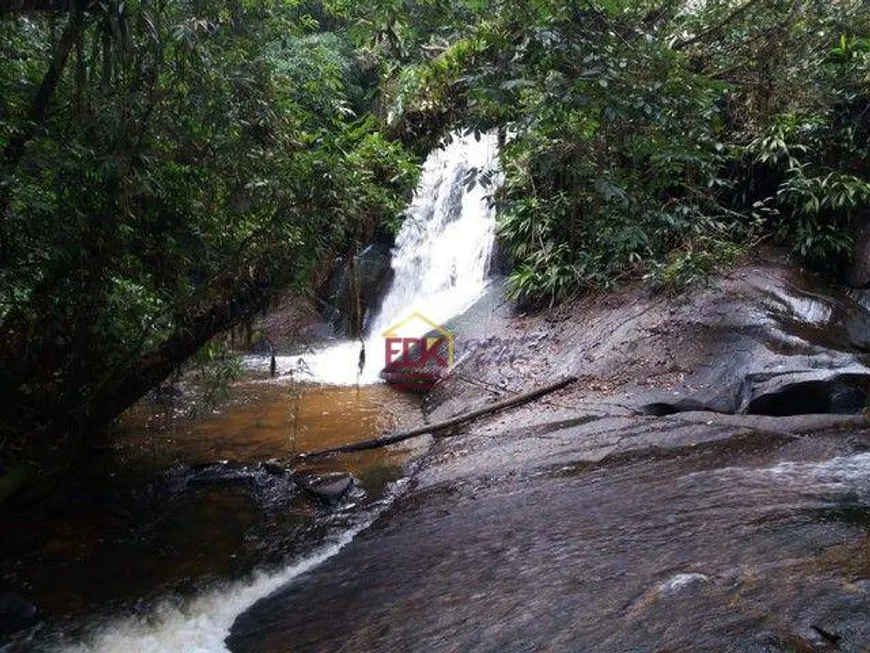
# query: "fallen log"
516,400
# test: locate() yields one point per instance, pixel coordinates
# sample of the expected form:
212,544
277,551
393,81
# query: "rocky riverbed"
705,485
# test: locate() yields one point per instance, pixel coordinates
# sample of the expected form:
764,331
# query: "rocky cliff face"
356,288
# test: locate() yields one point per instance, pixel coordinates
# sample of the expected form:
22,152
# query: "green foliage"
192,160
817,163
655,139
216,368
694,264
615,160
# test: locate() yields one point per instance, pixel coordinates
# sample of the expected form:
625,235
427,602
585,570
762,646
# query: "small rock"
681,582
275,469
329,488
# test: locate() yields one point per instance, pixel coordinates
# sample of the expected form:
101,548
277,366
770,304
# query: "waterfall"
441,256
443,248
440,263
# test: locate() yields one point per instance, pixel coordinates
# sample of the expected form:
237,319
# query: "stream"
176,526
179,525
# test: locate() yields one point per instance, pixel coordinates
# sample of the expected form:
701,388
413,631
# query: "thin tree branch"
489,409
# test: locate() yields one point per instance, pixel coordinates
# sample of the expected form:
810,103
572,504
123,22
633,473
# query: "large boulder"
365,277
329,488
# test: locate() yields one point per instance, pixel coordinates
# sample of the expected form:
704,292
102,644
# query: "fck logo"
435,349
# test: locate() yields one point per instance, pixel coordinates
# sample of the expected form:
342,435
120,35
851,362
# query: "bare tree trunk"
510,402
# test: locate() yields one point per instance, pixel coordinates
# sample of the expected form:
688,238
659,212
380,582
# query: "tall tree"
168,168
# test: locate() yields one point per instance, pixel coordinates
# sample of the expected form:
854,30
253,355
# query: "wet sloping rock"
857,322
612,535
694,490
721,348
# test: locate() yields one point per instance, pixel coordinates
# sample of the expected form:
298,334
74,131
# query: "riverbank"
696,490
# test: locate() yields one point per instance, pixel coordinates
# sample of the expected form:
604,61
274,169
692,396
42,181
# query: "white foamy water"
440,260
841,474
844,472
201,624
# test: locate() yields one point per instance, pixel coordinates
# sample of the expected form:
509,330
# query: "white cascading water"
440,264
201,625
440,261
442,252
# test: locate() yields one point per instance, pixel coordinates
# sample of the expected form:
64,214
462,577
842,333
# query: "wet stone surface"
705,485
748,541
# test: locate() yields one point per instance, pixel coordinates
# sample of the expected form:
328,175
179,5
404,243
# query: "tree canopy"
168,167
660,138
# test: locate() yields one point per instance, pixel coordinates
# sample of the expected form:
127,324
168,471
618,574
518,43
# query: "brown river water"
171,506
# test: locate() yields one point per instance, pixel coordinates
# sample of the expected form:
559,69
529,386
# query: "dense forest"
170,167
